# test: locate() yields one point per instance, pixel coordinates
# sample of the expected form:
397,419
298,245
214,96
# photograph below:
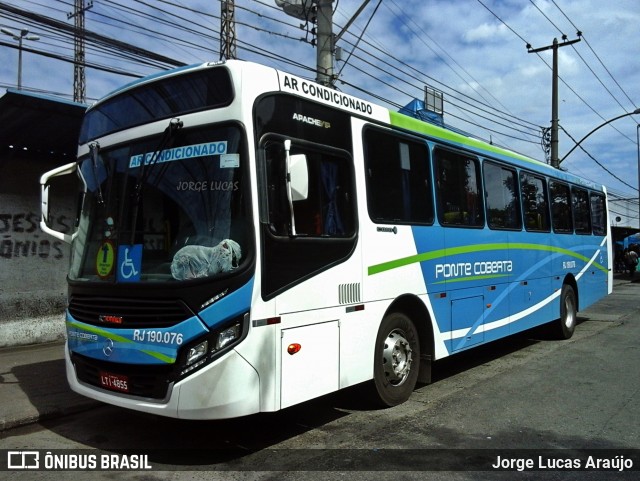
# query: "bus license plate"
114,382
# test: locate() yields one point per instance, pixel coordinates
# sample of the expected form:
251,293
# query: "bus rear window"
156,100
598,214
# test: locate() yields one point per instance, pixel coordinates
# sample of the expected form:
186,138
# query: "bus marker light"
359,307
266,322
110,319
293,348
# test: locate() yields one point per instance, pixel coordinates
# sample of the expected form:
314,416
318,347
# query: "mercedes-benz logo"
108,348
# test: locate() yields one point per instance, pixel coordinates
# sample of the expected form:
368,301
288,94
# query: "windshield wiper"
145,170
94,152
175,124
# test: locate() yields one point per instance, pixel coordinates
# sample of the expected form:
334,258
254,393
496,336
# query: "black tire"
397,360
566,325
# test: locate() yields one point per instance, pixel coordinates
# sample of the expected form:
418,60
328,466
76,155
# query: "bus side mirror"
44,200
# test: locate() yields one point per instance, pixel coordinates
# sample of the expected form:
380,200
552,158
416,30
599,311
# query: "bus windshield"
167,208
165,98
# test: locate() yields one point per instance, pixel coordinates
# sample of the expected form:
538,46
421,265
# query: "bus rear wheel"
397,358
566,325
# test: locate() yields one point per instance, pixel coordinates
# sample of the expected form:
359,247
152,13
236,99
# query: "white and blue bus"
248,240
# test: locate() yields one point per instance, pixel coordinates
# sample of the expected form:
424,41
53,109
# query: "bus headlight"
195,357
196,352
207,348
226,337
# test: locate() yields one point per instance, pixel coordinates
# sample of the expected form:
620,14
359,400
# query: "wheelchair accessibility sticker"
129,263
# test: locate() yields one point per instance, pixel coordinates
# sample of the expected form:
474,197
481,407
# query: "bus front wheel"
566,325
397,358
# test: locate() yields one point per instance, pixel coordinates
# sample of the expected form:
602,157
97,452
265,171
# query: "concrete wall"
33,265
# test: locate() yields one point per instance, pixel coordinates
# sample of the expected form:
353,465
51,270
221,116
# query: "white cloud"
458,46
490,32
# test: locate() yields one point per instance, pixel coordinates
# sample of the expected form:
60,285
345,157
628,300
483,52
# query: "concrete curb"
32,330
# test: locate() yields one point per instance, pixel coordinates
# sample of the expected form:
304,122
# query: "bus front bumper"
228,387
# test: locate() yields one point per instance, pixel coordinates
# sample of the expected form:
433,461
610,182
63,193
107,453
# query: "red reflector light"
293,348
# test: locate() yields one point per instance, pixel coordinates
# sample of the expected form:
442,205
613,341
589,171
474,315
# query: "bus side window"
503,211
458,189
398,187
328,210
534,202
581,213
561,218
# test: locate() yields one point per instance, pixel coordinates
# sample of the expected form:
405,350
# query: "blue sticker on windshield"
129,263
180,153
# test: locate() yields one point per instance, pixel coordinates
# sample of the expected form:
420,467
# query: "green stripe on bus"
101,332
116,337
409,123
472,278
161,357
437,254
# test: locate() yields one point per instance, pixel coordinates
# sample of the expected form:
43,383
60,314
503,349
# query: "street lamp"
24,34
635,112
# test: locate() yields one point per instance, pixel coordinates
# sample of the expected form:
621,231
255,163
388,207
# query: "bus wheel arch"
403,351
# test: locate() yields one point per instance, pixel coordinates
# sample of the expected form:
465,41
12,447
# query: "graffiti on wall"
20,236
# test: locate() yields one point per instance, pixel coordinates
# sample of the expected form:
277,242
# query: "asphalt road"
528,392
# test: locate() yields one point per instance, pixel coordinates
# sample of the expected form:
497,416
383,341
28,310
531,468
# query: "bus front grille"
128,313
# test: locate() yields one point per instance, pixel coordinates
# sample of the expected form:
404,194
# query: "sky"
474,51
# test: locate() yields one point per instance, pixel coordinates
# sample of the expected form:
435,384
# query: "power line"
198,33
596,55
415,76
596,161
453,60
577,52
548,19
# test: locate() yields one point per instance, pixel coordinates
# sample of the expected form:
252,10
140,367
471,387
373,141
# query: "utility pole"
324,52
555,162
79,79
227,30
320,11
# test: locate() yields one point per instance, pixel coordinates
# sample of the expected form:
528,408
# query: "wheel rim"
570,311
396,357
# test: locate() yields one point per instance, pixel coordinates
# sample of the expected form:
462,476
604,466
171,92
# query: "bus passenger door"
311,262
